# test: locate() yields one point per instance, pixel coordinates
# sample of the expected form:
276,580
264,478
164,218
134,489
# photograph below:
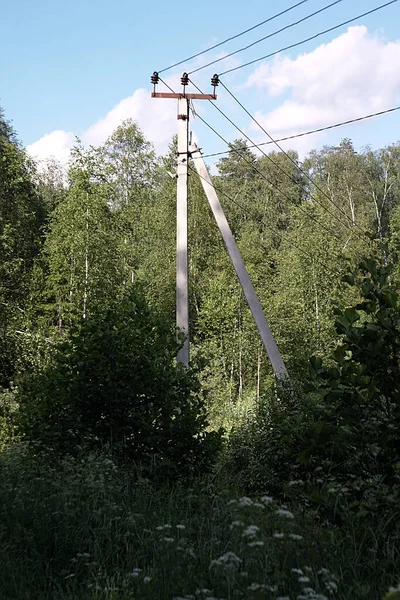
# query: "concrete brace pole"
266,335
182,279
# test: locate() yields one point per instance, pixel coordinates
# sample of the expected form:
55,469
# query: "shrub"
340,435
114,382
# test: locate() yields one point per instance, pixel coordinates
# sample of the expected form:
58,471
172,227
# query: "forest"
125,476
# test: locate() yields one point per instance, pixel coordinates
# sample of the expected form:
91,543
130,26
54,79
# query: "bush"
339,436
114,382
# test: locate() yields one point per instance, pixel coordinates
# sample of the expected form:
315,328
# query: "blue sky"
79,67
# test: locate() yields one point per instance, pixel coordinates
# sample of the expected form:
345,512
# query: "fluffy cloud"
355,74
157,119
56,144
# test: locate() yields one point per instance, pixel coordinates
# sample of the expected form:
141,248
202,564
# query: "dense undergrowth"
88,527
301,504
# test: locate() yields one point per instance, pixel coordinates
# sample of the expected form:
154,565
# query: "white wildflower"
258,505
281,512
161,527
295,536
135,572
180,526
146,579
229,560
304,579
254,587
298,571
296,482
236,524
394,589
278,536
251,531
169,540
282,598
245,501
266,499
231,502
256,543
323,571
332,586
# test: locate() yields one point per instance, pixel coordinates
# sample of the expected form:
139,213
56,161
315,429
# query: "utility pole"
182,277
252,300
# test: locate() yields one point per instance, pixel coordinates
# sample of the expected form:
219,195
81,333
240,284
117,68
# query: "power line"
313,37
298,135
297,165
274,163
274,185
268,181
234,37
267,36
260,221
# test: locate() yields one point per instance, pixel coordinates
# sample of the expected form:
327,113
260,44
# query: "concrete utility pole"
182,278
270,345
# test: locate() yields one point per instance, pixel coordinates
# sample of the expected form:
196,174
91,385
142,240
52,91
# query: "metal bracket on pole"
269,343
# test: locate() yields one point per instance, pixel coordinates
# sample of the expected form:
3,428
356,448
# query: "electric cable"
298,135
252,215
274,185
258,171
296,164
273,162
266,37
313,37
234,37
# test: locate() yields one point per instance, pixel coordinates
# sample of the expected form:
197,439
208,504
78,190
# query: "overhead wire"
296,164
264,177
274,163
266,37
246,210
320,129
234,37
313,37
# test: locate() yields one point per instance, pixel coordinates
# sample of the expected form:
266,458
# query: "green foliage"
340,434
8,414
113,382
86,528
22,217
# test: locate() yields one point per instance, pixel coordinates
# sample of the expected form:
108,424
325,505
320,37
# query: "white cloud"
56,144
355,74
156,118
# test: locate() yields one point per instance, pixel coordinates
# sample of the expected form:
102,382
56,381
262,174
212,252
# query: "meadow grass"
86,528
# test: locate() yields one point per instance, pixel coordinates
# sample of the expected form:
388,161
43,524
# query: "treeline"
73,242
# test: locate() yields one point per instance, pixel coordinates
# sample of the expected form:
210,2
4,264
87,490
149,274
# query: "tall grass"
86,528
